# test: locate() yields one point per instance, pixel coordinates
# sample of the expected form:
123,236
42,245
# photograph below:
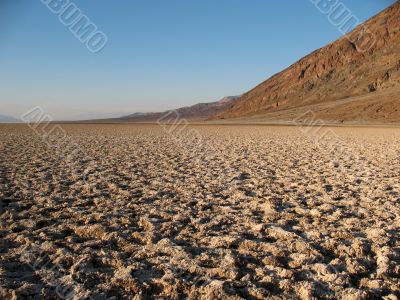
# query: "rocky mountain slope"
343,71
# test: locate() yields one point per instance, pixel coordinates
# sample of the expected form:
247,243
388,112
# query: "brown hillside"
335,72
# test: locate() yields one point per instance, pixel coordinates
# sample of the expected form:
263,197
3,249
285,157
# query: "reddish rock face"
335,72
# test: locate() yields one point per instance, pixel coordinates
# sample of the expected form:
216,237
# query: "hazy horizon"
158,56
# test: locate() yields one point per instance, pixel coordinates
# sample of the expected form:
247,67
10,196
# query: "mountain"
340,82
8,119
197,112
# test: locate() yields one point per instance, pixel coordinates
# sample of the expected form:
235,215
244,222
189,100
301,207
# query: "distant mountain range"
8,119
197,112
337,83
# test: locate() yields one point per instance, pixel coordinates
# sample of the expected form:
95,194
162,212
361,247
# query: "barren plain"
202,212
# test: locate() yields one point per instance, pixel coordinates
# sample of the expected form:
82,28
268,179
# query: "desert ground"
199,212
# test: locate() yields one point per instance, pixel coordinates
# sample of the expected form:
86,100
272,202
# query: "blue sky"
160,54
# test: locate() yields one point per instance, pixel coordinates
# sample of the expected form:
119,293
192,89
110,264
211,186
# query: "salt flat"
201,212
